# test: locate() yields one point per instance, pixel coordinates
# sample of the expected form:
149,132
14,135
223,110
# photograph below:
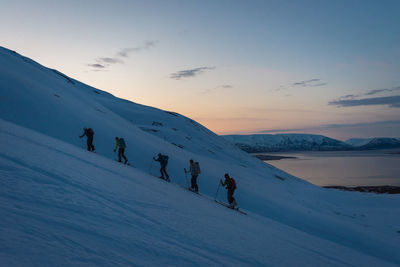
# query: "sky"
237,67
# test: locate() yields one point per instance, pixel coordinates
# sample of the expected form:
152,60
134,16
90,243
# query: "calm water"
347,168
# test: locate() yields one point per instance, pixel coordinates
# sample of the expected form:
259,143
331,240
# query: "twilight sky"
324,67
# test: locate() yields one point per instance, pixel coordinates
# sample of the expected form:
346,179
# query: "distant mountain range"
376,143
260,143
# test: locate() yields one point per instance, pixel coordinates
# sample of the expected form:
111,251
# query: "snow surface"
62,205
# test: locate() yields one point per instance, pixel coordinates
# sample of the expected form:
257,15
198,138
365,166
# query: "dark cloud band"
391,101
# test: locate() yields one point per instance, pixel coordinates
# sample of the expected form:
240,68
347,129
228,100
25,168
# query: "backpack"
233,184
122,142
197,168
164,159
90,132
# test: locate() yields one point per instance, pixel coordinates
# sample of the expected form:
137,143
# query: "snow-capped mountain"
358,141
62,205
285,142
374,143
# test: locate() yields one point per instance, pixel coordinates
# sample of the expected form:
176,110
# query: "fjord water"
346,168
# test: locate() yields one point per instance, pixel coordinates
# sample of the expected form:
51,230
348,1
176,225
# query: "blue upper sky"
329,67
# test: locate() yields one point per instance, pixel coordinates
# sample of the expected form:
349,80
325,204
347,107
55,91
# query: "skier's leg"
192,182
162,171
165,171
230,197
119,154
88,144
196,187
232,201
90,140
91,144
123,155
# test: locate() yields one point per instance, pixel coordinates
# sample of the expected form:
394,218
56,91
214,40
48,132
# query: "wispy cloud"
351,96
109,60
97,66
391,101
120,56
363,99
189,73
377,91
126,51
305,83
217,89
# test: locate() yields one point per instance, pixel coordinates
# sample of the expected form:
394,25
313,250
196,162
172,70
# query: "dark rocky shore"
385,189
269,157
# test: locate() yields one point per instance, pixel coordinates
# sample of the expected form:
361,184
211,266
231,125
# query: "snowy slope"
285,142
127,216
63,206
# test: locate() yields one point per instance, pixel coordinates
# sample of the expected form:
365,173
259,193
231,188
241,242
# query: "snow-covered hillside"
285,142
358,141
374,143
62,205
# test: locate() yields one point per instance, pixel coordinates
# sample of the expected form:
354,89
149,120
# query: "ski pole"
116,159
216,194
151,165
187,184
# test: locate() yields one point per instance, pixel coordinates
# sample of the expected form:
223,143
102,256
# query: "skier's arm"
116,145
84,133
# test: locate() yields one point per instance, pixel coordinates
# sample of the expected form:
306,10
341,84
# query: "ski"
162,178
124,163
226,205
189,189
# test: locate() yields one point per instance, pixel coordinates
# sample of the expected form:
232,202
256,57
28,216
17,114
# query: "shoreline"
383,189
270,157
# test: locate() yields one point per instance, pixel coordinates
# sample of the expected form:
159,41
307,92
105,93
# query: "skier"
194,171
163,159
89,134
231,187
120,142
